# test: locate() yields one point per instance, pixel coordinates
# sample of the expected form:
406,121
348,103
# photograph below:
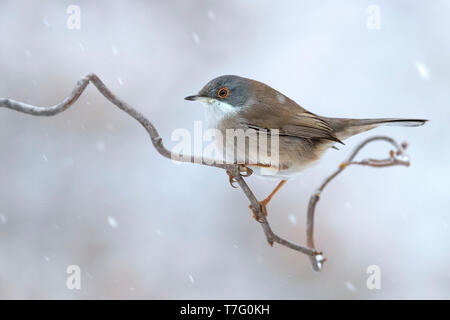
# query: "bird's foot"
243,171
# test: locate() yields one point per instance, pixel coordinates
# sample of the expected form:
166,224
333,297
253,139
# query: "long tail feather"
348,127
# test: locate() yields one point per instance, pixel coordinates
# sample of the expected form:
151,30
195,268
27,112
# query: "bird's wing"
290,119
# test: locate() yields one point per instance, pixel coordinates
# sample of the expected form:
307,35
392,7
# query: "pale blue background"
182,232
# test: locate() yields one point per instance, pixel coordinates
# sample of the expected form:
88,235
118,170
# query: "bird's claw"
244,171
231,179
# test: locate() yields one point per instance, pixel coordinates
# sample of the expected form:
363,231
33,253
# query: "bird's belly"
274,173
284,159
295,155
285,169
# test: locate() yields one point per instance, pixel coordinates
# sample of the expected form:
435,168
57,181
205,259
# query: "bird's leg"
266,201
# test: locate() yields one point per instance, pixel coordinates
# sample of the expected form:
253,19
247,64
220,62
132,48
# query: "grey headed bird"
233,102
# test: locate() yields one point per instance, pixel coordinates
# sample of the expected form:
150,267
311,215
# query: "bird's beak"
192,98
197,97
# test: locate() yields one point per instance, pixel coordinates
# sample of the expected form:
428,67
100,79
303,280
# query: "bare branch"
398,157
76,93
233,169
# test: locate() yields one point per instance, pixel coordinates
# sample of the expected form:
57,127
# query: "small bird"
233,102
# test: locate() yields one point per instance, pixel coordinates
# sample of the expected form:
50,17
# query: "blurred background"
87,188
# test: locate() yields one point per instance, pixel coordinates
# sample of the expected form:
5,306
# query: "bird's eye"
223,93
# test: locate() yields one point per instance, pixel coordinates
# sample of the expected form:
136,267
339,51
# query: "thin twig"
234,169
397,157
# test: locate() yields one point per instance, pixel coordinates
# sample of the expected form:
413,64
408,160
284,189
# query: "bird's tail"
346,128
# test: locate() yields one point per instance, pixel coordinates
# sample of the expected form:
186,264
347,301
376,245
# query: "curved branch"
76,93
234,169
397,157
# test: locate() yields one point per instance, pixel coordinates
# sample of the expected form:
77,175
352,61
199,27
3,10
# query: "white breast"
216,111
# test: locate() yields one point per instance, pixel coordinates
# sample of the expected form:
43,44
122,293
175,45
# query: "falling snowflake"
113,222
100,146
3,219
423,70
120,81
46,23
348,206
44,157
159,232
114,50
191,278
211,15
350,286
195,38
82,48
292,219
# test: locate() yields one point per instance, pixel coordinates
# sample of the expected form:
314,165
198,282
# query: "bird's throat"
216,111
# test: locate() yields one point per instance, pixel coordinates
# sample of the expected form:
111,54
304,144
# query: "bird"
237,103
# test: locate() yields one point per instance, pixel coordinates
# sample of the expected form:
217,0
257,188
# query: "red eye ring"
222,93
